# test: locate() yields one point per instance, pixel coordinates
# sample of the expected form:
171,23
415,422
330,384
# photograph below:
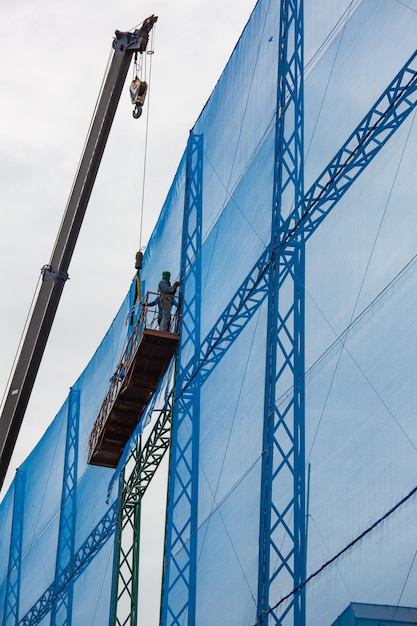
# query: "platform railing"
149,318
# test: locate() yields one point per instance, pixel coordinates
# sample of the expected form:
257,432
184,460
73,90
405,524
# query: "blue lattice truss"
62,605
180,559
282,544
11,612
280,267
370,136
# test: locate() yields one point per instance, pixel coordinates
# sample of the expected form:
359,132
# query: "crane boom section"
55,273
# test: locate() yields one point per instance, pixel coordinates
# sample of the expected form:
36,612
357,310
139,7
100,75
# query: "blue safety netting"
360,355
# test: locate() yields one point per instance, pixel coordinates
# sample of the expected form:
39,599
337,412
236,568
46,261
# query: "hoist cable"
146,146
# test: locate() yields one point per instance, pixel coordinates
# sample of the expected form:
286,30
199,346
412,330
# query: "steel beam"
55,273
143,461
282,544
388,113
87,551
11,608
62,606
180,566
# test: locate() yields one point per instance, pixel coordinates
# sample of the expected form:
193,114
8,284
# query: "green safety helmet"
166,275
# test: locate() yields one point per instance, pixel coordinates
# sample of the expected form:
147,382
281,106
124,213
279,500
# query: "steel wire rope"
229,193
406,5
145,150
338,336
218,217
150,53
340,553
242,477
103,577
339,339
270,126
36,538
215,506
308,69
343,341
346,15
329,552
383,293
36,291
405,584
284,396
329,79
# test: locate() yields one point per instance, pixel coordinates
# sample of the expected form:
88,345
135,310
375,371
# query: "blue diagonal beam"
180,568
62,607
388,113
89,549
150,458
245,302
384,118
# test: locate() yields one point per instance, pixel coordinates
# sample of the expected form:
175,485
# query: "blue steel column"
11,610
63,587
180,561
282,561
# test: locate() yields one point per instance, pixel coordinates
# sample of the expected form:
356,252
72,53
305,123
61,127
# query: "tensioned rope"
345,335
346,17
150,53
228,191
341,552
215,504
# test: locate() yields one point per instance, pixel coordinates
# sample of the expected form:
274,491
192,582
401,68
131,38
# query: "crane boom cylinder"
54,276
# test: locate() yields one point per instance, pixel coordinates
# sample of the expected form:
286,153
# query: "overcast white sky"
52,61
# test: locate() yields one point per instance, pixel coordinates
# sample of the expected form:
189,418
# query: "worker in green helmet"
166,294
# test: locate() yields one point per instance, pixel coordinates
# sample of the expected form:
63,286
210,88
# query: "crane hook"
138,89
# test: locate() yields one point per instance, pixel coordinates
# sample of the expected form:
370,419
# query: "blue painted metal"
11,610
87,551
385,117
62,606
282,542
180,559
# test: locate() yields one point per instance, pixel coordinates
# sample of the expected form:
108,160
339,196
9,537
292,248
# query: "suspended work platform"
143,364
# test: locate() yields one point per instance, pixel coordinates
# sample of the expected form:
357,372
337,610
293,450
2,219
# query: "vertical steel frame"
63,587
11,609
282,549
126,571
142,463
180,560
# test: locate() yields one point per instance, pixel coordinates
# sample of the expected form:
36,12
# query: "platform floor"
152,356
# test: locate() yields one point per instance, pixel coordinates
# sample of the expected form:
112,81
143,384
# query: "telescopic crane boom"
55,273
